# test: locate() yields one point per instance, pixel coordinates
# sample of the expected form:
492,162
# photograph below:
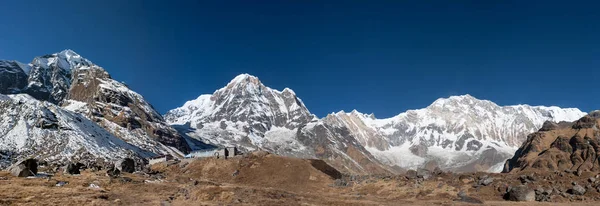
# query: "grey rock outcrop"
24,168
520,193
12,77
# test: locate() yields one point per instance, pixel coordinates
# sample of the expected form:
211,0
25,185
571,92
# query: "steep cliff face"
75,83
558,147
12,77
122,111
51,75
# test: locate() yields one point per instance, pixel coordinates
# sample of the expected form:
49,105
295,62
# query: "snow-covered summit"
67,79
244,98
462,127
243,78
247,114
65,60
50,76
461,133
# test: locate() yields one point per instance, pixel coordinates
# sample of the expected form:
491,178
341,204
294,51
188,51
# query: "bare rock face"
12,77
114,106
548,125
572,148
51,75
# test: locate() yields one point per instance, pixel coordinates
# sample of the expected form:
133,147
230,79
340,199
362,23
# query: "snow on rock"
475,129
50,75
251,116
32,128
460,133
13,77
69,80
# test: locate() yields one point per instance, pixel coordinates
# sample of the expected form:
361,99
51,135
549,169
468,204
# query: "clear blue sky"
380,58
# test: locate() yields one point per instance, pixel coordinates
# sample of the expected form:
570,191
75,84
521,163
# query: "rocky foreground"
265,179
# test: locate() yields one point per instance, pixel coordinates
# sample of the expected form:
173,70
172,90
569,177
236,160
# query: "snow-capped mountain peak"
455,102
461,133
288,90
65,60
244,98
69,80
244,78
51,75
250,115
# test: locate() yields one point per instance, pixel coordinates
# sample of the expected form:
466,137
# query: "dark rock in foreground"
24,168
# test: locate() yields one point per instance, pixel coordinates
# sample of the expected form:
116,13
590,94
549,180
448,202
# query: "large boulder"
485,180
112,171
126,165
423,173
73,169
577,190
520,193
24,168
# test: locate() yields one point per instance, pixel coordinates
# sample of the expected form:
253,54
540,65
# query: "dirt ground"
265,179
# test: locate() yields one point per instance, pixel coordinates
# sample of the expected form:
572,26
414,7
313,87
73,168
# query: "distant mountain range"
459,133
62,107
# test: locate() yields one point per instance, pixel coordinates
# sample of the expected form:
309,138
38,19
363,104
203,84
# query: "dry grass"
261,180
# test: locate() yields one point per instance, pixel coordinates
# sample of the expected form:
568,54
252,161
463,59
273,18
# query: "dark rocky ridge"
559,148
12,77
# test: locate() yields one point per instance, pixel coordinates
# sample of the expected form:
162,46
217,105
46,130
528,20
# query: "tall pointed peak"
244,78
245,82
68,52
289,90
66,59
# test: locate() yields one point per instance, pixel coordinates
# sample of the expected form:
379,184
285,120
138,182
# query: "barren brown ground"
262,179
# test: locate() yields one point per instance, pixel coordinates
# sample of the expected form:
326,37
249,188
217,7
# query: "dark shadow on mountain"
325,168
194,144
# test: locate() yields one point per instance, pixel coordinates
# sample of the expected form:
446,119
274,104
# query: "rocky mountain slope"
42,130
12,77
460,133
572,146
249,115
76,84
